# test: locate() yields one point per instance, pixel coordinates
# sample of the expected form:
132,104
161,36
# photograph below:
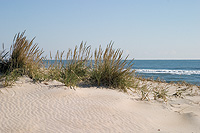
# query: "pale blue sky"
145,29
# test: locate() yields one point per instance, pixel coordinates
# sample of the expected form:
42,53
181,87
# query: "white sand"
38,108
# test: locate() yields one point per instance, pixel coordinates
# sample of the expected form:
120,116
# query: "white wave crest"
178,72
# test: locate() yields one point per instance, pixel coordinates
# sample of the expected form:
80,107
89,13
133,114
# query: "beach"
50,107
100,66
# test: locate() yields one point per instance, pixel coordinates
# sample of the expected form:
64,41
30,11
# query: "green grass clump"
76,69
109,69
54,69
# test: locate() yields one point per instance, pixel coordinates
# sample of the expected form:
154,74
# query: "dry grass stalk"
75,70
109,69
25,59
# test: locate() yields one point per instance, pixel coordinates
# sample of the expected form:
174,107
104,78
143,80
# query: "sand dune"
53,108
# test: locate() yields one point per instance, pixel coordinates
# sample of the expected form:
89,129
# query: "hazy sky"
144,29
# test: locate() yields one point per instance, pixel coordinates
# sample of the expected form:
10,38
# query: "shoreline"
52,107
169,74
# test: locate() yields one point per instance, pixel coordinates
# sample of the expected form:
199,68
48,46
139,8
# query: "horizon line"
166,58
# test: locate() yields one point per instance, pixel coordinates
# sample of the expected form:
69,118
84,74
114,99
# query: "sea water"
169,70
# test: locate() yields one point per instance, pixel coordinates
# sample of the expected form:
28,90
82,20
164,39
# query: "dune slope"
51,107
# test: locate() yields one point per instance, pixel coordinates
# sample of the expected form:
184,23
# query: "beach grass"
24,58
110,69
75,71
3,60
106,68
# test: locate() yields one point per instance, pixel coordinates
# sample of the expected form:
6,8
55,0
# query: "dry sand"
53,108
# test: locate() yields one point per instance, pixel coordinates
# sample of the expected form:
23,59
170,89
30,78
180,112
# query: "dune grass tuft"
110,70
24,58
25,54
3,60
75,70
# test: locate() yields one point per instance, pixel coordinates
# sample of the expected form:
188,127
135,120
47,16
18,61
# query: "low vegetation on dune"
107,68
3,60
104,68
110,69
101,68
24,58
75,70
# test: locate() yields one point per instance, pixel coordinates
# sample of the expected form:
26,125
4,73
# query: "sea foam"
163,71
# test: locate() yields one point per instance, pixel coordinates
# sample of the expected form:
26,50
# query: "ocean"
169,70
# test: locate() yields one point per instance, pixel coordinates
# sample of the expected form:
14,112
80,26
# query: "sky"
143,29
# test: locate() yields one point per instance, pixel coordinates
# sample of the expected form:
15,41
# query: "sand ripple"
53,108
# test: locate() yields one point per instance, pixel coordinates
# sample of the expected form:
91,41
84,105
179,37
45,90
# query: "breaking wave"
163,71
